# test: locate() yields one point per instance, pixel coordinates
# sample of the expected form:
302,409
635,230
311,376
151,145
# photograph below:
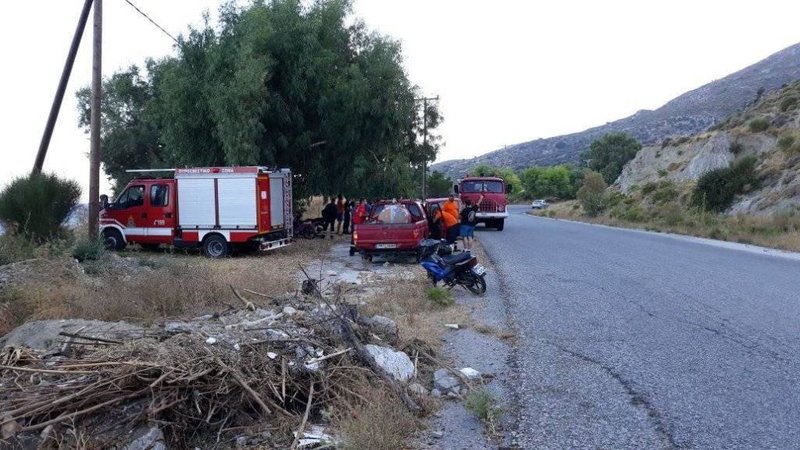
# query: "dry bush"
382,423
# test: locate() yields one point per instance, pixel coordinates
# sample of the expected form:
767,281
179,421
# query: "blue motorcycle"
462,268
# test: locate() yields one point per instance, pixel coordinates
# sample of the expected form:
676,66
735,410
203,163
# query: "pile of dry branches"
246,370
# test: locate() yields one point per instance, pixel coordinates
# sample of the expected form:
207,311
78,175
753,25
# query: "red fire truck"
493,210
214,208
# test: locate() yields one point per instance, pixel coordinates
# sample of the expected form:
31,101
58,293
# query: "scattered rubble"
262,367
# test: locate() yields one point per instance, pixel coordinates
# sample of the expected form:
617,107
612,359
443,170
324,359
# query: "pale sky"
506,71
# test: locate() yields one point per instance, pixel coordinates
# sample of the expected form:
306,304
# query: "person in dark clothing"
468,221
329,216
340,207
348,216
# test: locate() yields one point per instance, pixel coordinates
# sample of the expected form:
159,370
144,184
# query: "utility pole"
94,151
62,87
425,101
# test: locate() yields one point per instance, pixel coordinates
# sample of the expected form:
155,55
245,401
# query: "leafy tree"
36,206
609,154
439,185
554,181
592,193
282,84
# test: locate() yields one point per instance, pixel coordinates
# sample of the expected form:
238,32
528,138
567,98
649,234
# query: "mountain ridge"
690,113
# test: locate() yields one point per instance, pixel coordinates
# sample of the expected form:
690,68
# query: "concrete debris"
211,341
315,436
397,364
470,373
289,311
384,327
453,326
445,382
147,438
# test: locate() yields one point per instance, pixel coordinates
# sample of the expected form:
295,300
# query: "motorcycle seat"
459,258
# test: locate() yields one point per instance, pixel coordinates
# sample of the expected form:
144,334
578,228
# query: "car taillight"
355,236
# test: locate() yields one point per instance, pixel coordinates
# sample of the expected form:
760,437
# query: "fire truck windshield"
495,187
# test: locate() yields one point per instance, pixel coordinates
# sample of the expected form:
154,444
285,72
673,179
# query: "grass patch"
440,296
88,250
383,423
482,403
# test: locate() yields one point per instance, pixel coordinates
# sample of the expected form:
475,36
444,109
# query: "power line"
152,21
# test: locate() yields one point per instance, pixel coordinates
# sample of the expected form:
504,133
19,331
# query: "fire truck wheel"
215,246
113,240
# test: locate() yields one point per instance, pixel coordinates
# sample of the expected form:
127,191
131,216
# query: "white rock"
211,341
289,311
272,355
470,373
397,364
454,326
150,438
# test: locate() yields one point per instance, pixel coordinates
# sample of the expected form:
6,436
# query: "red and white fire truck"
214,208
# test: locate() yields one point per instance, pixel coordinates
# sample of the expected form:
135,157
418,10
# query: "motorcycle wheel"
473,283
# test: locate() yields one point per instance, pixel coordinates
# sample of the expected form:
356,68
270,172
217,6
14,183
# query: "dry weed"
382,423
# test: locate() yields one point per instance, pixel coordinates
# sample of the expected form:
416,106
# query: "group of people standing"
452,222
340,215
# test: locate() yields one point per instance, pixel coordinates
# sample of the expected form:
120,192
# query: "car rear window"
391,213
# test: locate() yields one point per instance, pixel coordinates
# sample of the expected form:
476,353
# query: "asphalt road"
632,340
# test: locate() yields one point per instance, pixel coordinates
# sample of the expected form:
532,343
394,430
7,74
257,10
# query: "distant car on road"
539,204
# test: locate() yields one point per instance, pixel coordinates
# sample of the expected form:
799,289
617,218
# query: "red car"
392,227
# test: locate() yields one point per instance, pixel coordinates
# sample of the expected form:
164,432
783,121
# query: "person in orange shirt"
449,223
451,206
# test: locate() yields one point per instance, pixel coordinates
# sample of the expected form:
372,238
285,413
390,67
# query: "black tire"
113,240
215,246
352,251
500,224
473,283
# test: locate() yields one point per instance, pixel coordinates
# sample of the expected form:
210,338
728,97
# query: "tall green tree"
280,83
592,193
545,182
609,154
439,185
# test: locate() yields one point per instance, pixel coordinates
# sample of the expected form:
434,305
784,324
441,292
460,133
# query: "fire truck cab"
214,208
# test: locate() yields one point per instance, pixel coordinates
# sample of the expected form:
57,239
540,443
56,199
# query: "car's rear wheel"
500,224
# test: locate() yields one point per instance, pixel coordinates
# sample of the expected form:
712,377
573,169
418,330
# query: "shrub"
736,148
592,193
632,214
671,213
786,142
88,250
15,248
36,206
662,172
716,189
440,296
666,192
649,188
788,103
758,125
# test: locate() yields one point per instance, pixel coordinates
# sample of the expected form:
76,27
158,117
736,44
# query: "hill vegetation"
736,182
691,113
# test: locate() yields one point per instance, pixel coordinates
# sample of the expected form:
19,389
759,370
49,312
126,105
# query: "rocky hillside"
769,130
691,113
